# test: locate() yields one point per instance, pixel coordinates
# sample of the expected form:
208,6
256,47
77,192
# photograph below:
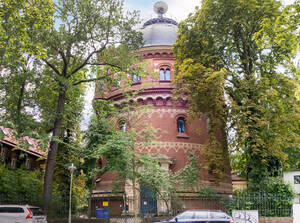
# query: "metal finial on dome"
160,8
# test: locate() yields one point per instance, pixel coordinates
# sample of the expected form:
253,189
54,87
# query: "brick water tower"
178,137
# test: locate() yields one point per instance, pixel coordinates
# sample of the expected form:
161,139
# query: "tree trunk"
19,107
53,148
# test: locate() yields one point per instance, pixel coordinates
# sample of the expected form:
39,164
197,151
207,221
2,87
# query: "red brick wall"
164,115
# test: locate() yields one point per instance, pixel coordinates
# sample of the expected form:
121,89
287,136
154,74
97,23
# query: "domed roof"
159,31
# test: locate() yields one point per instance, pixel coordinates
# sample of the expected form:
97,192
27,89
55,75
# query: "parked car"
201,216
22,214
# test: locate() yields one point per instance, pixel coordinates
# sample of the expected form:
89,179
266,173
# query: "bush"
275,200
20,186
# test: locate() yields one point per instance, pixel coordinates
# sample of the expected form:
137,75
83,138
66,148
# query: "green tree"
284,32
18,105
166,184
87,33
118,148
21,25
221,46
122,155
96,135
20,184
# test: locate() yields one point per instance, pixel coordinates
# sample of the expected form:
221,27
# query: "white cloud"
180,9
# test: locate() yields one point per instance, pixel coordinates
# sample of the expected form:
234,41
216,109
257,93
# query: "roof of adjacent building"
33,144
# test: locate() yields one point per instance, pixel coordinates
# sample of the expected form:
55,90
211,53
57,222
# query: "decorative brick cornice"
173,112
171,146
159,52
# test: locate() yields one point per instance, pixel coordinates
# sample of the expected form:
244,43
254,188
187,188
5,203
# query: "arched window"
165,74
123,126
162,74
181,125
168,74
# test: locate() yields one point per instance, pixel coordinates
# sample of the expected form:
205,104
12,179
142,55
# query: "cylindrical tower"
178,136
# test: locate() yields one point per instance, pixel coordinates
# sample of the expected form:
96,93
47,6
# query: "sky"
177,9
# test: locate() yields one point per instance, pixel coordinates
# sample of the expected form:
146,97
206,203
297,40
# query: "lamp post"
71,168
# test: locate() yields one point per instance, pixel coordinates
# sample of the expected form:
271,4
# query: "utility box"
102,213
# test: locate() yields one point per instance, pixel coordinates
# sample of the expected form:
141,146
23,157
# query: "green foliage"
122,153
45,48
96,135
189,176
274,199
21,25
274,186
207,192
89,33
205,88
231,47
19,184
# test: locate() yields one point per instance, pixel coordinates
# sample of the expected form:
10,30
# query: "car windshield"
11,210
200,215
36,211
185,215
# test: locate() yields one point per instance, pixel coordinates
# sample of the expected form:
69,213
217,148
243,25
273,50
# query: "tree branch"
65,61
90,80
86,61
103,64
52,66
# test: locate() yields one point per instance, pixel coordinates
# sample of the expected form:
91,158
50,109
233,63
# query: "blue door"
148,202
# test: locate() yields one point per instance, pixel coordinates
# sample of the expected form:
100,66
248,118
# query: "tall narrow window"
168,74
101,84
123,126
181,125
162,74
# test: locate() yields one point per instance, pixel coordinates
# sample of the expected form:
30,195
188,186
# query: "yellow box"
105,203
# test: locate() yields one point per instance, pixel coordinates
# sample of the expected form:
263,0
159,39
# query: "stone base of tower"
122,203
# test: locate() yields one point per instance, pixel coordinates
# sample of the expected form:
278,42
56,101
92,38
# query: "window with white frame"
165,74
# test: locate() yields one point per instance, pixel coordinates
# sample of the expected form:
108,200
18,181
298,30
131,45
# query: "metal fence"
116,207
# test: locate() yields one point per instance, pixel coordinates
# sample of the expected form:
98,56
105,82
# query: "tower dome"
160,31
